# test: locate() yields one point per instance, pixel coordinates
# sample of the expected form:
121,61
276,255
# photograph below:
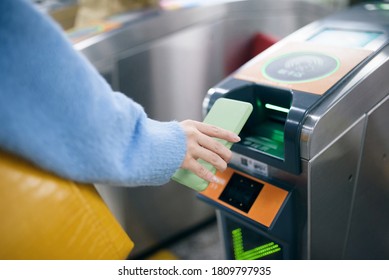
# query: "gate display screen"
344,37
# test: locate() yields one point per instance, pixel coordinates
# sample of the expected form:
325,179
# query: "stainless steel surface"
356,97
368,231
247,15
166,62
334,145
348,172
348,191
331,183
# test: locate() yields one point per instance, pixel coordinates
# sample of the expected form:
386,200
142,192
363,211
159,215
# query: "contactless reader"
310,178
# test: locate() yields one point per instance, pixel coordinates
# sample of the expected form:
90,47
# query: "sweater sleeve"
58,112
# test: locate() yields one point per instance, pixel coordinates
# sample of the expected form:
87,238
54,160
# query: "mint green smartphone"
225,113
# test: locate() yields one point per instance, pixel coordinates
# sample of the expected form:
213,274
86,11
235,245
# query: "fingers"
198,169
218,159
214,131
201,144
215,146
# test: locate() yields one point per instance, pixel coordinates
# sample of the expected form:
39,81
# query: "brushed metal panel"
354,98
331,179
369,229
171,76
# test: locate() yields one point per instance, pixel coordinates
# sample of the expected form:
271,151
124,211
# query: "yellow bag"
46,217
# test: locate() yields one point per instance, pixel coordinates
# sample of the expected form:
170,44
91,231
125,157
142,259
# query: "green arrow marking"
252,254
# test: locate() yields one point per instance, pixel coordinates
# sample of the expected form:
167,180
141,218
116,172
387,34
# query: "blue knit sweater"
58,112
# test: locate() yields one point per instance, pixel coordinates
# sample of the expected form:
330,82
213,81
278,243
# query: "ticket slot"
271,133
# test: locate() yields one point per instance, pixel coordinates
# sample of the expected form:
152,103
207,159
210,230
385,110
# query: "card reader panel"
251,197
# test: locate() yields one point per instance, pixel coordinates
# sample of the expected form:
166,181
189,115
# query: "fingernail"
236,137
216,180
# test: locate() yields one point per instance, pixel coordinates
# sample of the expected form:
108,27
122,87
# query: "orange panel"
215,190
348,58
268,204
265,207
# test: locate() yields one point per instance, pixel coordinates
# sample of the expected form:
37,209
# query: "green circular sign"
300,67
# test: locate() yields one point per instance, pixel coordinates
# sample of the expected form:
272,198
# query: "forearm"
58,112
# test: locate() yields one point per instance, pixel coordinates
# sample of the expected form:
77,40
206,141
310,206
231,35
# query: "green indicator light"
252,254
259,103
276,108
383,6
257,254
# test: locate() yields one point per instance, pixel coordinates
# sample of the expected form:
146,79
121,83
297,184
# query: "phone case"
226,113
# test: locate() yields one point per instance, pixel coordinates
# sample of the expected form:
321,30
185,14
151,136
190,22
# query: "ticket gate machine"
310,178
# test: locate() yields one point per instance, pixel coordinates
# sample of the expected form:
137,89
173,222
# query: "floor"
203,244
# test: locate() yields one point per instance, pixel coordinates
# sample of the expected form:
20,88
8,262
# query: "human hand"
200,144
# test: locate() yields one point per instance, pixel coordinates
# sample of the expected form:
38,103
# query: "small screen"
344,37
241,192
